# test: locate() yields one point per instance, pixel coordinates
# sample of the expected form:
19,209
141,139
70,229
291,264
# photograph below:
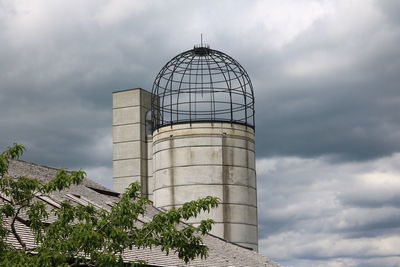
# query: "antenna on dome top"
201,39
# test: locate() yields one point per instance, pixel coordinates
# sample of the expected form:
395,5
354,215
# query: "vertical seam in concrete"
112,138
143,171
172,171
145,166
148,174
247,161
225,188
255,184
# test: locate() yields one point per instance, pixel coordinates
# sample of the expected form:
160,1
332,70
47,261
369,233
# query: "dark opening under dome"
202,85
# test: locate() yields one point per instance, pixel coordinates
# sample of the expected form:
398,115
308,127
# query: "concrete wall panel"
229,213
232,194
126,98
126,150
187,141
128,167
207,129
243,233
240,214
203,155
187,175
126,115
241,176
124,133
210,140
188,156
119,184
240,194
178,195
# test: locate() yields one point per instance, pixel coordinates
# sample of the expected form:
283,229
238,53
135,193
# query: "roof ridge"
36,164
87,181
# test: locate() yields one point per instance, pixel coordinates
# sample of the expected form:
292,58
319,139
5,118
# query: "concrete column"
131,153
196,160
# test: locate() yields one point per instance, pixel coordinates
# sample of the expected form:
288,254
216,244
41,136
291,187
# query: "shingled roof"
221,252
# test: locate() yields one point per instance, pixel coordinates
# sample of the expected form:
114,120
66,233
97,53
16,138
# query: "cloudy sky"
326,76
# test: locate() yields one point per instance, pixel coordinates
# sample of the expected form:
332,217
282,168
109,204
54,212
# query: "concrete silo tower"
203,140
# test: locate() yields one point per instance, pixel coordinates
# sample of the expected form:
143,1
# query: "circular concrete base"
196,160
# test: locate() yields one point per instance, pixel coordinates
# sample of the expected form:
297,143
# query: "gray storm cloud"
315,213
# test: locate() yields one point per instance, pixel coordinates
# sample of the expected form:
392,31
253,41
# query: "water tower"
203,140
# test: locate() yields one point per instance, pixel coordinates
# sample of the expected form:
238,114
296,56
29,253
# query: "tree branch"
14,231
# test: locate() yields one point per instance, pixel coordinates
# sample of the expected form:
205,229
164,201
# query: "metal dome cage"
202,85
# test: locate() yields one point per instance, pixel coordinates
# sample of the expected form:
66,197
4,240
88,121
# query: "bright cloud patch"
330,214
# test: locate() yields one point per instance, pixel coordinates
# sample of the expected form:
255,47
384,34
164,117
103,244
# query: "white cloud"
114,12
332,250
283,21
317,64
324,212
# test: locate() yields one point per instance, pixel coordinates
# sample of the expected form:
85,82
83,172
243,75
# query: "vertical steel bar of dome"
190,92
155,106
244,92
166,87
202,81
171,63
229,85
195,89
241,86
170,95
212,91
245,75
253,104
252,99
155,91
180,85
170,79
168,82
157,87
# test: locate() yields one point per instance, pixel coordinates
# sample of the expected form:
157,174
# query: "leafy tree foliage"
88,235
